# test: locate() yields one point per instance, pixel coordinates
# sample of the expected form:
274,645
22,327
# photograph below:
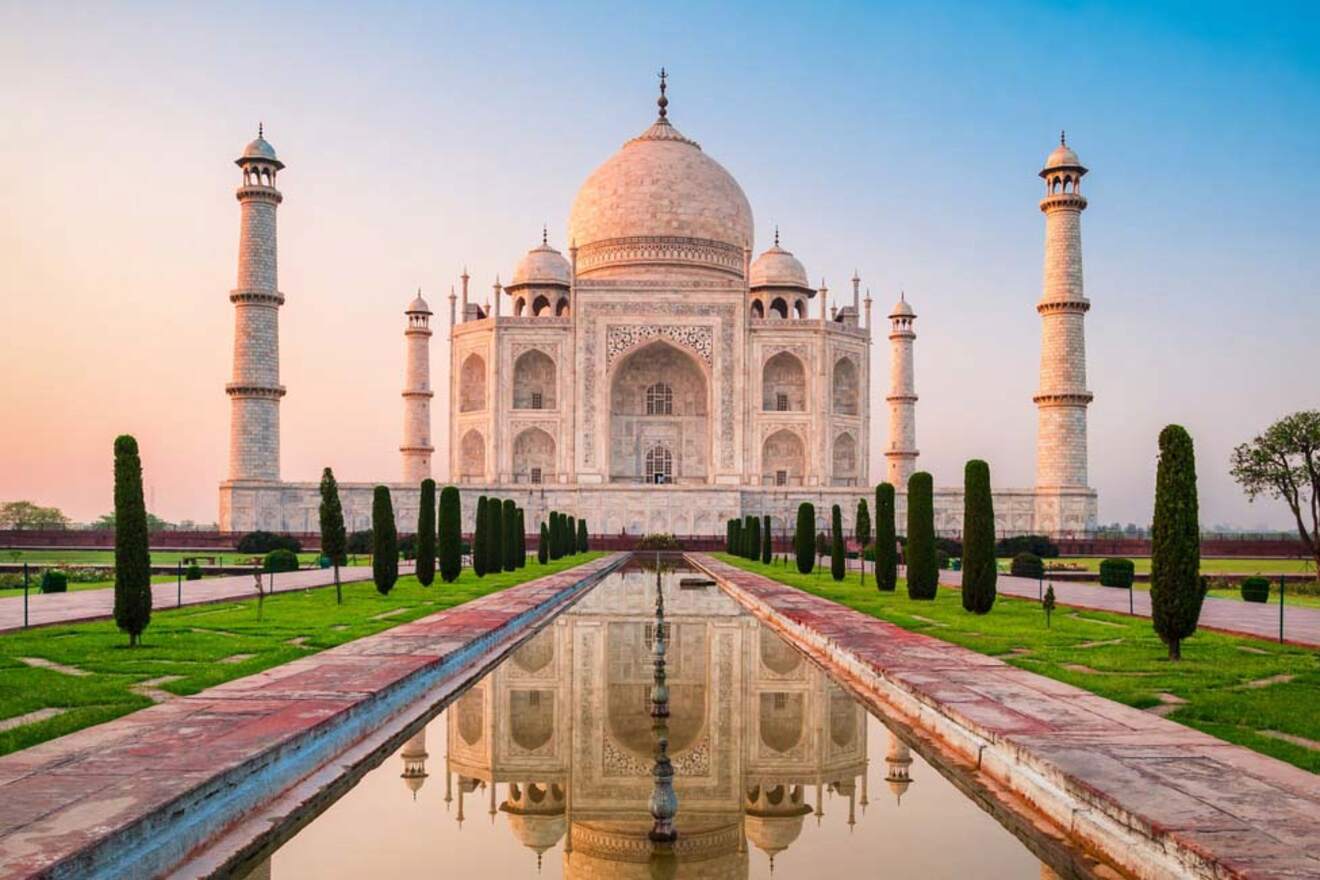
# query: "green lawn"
205,645
1116,657
1211,566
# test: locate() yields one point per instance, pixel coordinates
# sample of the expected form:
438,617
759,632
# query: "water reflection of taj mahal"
758,736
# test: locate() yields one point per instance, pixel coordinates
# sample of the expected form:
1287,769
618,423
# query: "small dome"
774,834
542,265
902,309
418,306
779,268
259,149
1062,157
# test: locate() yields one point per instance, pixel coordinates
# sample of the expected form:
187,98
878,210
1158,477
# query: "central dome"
660,200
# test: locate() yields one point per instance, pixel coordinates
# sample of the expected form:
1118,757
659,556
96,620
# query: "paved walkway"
134,796
1301,625
1158,798
45,609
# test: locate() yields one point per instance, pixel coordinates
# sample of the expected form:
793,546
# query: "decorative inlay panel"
622,338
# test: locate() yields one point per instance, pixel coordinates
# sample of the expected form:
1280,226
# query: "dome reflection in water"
546,765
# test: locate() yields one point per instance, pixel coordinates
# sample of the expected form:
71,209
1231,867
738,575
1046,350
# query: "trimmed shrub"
193,573
543,545
922,565
1027,565
280,560
408,547
838,563
480,547
737,531
752,545
521,535
359,542
979,569
384,542
260,542
132,558
729,543
450,538
334,540
1176,587
494,536
1038,544
570,536
426,534
509,538
886,541
1254,589
767,548
58,582
583,541
1117,573
804,538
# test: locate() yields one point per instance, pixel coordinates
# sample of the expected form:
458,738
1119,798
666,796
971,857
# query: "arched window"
561,310
800,308
540,306
778,307
659,400
758,310
659,465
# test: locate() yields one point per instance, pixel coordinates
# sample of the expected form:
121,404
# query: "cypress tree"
804,537
426,534
132,557
767,542
838,560
737,537
509,535
922,567
570,536
863,535
754,538
521,536
583,540
451,534
729,545
480,537
494,536
886,539
551,525
543,545
384,542
979,569
334,537
1176,588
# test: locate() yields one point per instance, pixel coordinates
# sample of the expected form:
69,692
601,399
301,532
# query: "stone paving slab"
1160,799
45,609
1301,624
131,797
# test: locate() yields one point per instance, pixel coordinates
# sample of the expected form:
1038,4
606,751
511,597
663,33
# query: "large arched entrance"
659,417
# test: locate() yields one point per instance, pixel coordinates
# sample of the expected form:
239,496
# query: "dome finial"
545,235
261,129
663,101
1063,138
776,235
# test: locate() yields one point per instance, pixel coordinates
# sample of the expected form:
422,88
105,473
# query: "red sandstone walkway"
1168,800
46,609
98,802
1301,624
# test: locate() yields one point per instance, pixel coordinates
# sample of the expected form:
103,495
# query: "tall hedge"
543,544
521,536
334,537
384,542
737,537
804,538
838,561
582,538
979,569
570,536
451,534
729,545
1176,589
132,558
494,536
751,537
480,538
426,534
509,535
886,539
922,565
767,543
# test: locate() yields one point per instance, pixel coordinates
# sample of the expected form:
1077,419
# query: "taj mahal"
658,375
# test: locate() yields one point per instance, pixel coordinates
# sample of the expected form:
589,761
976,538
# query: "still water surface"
544,765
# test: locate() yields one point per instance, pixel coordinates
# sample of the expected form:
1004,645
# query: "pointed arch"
844,471
533,457
472,384
845,387
534,380
784,384
472,457
783,459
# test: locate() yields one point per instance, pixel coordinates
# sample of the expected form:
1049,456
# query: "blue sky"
902,140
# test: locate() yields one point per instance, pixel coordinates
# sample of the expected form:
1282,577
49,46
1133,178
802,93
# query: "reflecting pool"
544,766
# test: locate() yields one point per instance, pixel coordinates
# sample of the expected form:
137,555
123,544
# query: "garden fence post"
25,595
1282,581
178,588
1132,585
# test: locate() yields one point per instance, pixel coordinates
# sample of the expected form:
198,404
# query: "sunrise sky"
902,140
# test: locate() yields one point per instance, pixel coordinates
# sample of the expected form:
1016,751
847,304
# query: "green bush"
804,538
359,542
543,545
583,543
480,548
260,542
1027,565
1117,573
54,582
886,541
450,538
980,571
1254,589
922,564
194,573
838,564
1037,544
385,542
941,559
767,548
280,560
408,546
425,569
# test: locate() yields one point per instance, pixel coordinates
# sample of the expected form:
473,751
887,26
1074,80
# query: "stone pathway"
46,609
1301,624
1158,798
134,796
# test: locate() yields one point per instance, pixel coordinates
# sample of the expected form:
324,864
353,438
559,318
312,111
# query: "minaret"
1062,399
414,762
898,760
255,390
417,393
901,454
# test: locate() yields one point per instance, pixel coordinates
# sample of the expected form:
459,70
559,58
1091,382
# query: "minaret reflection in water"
664,803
